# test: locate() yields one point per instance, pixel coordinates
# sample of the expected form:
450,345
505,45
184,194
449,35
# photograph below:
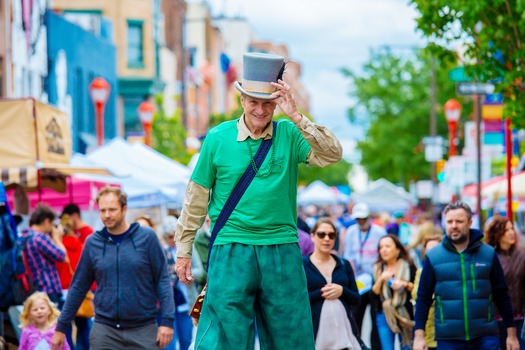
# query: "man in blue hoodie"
466,279
128,264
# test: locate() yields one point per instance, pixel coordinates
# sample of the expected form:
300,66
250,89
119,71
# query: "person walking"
183,295
255,267
394,276
466,277
332,290
361,242
74,247
128,264
43,247
500,235
38,321
428,243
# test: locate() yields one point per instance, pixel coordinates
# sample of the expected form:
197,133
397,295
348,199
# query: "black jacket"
342,275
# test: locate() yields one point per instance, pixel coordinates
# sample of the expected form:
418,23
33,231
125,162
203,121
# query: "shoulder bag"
87,308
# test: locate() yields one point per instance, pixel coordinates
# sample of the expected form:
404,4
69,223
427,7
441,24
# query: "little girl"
38,322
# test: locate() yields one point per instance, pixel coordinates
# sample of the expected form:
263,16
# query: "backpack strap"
23,275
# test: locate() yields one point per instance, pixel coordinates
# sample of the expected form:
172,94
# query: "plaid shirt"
41,254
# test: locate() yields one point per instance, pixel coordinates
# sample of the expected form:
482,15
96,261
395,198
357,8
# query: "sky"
325,36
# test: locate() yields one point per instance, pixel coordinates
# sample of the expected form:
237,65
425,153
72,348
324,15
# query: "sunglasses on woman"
322,235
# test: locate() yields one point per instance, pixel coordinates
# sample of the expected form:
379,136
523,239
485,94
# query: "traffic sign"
475,88
433,148
433,140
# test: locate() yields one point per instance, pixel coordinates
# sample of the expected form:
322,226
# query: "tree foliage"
333,175
393,94
169,134
493,34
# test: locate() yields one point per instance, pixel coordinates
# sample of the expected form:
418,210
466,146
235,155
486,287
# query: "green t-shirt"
267,212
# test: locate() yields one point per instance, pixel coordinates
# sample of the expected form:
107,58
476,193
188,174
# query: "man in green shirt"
255,269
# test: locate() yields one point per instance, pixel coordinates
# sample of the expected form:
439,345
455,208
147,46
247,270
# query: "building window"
135,44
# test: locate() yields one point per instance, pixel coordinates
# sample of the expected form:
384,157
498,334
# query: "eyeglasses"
322,235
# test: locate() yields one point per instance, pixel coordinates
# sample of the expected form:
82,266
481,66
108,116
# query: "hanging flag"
225,62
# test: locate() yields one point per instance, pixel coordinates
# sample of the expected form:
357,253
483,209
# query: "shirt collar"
244,132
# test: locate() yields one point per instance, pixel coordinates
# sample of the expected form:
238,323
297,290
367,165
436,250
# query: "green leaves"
169,134
486,27
393,96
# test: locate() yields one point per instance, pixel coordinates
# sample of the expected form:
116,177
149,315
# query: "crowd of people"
415,300
267,272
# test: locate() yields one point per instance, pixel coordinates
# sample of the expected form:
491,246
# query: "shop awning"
51,176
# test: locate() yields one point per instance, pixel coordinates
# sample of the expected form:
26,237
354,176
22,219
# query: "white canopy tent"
319,193
499,188
143,171
382,195
140,194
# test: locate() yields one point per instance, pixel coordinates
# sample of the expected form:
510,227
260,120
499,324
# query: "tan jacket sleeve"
191,218
326,148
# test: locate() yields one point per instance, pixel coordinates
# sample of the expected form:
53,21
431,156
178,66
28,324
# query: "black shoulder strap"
241,187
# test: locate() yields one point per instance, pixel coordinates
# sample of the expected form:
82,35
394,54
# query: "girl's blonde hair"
25,318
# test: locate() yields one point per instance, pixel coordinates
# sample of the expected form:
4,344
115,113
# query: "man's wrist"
419,333
297,118
511,332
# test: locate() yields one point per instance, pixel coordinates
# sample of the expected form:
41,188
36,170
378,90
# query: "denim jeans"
488,342
183,329
386,336
83,328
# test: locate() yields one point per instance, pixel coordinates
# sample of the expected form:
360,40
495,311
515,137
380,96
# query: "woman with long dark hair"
332,290
501,235
394,280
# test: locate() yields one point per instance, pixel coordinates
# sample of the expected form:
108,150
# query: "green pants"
263,283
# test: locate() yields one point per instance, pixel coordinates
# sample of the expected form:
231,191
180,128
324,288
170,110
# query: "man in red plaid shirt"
42,249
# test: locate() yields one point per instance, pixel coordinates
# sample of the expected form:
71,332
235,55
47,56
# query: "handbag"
87,308
196,309
229,206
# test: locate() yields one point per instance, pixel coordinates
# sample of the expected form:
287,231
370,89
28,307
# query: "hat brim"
261,95
360,216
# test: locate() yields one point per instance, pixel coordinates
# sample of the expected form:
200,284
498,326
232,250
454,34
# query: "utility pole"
433,92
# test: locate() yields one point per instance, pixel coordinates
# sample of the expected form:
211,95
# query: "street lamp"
99,91
452,113
146,111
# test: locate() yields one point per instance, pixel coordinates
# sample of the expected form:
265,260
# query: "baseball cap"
360,211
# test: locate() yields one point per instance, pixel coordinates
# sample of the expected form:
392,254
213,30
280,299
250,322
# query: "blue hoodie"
131,277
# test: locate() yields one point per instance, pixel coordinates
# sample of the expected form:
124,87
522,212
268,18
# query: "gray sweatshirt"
131,278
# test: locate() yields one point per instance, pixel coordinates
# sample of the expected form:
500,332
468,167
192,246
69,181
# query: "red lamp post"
99,91
146,111
452,113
